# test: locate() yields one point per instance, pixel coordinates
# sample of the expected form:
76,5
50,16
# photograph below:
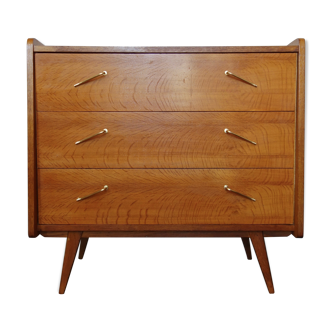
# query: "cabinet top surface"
293,47
168,49
289,46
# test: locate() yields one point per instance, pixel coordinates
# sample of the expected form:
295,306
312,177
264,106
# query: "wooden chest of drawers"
189,141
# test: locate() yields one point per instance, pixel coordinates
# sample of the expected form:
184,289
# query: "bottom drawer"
165,196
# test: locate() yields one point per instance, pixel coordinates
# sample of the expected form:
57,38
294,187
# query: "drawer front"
166,82
166,196
165,140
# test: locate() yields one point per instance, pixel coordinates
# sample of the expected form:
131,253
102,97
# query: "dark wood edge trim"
164,234
299,142
32,156
120,49
163,228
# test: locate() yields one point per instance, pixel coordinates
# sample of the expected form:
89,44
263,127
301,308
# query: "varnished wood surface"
167,49
69,259
36,43
295,43
31,158
83,246
300,138
164,228
161,196
165,140
165,234
259,245
246,244
166,82
185,196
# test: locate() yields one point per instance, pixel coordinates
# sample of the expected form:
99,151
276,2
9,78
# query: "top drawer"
165,82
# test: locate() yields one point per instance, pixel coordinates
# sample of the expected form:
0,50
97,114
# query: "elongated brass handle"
228,73
99,191
104,73
235,192
104,131
227,131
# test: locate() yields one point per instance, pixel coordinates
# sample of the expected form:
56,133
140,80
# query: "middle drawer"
165,140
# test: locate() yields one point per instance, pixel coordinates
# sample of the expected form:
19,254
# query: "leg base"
258,242
84,242
271,294
73,240
246,244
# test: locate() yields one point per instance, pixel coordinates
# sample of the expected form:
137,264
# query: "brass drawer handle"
227,131
99,191
235,192
104,73
228,73
104,131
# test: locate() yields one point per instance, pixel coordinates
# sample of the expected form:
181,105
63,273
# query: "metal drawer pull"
228,73
235,192
104,73
227,131
99,191
104,131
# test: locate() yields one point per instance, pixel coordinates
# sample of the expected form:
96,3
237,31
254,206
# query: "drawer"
165,82
165,196
165,140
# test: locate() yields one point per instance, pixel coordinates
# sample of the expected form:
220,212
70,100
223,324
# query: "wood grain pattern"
300,138
167,49
161,196
31,158
166,157
283,229
166,82
165,140
166,234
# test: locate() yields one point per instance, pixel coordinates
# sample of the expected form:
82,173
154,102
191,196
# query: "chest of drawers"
159,142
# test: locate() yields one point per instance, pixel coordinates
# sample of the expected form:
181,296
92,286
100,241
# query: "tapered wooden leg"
73,240
246,244
84,242
258,242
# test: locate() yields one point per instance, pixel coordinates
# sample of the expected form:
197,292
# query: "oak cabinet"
203,141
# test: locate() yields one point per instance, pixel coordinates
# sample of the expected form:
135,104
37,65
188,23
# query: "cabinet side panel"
32,169
299,143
